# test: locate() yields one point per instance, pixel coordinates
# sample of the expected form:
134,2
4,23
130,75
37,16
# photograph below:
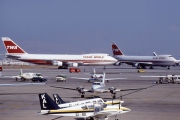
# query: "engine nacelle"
117,64
74,64
136,65
80,89
112,90
57,63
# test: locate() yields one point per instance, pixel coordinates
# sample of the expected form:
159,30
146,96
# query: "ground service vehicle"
61,78
39,79
74,70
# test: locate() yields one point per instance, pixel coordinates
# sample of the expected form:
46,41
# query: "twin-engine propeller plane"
96,77
98,87
60,60
87,111
62,104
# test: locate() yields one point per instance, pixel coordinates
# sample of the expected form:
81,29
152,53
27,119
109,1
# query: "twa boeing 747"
60,60
143,61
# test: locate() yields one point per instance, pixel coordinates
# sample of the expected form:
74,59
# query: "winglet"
12,47
116,50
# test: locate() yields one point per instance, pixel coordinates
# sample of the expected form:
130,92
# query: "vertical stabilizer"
116,50
58,100
94,70
103,79
12,47
47,103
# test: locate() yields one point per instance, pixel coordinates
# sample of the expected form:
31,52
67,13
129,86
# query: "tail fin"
116,50
21,72
12,47
103,79
58,99
154,53
47,103
94,70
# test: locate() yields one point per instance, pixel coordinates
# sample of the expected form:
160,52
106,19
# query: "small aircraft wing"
21,84
10,77
80,78
155,76
120,90
85,90
115,78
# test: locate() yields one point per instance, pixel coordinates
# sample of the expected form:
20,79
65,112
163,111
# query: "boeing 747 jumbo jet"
143,61
61,60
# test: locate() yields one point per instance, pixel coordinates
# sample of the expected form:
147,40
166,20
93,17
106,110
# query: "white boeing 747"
61,60
143,61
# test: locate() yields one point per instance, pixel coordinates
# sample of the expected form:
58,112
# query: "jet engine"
80,89
74,64
57,63
117,64
137,65
113,92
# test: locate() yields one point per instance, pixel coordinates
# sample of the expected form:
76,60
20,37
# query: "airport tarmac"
160,102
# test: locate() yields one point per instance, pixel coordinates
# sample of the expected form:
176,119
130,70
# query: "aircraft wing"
21,84
10,77
115,78
85,90
80,78
120,90
156,76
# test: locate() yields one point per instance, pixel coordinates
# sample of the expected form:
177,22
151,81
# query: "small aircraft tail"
103,79
116,50
21,72
94,70
47,103
12,47
58,100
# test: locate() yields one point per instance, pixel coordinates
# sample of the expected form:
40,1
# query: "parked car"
39,79
61,78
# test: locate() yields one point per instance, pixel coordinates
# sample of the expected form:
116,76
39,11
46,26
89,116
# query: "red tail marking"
12,47
116,50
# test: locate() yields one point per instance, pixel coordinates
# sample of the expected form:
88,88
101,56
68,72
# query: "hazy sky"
139,27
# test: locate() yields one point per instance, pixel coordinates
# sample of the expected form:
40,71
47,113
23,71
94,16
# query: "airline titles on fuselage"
91,56
159,57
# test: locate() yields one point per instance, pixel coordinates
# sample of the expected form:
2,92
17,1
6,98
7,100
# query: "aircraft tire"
91,118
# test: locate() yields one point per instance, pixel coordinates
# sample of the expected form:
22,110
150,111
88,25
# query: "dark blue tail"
47,103
58,99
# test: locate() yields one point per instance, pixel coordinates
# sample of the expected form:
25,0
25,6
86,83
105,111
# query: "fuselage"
83,59
151,60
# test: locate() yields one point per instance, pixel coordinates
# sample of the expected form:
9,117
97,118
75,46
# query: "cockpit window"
96,83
